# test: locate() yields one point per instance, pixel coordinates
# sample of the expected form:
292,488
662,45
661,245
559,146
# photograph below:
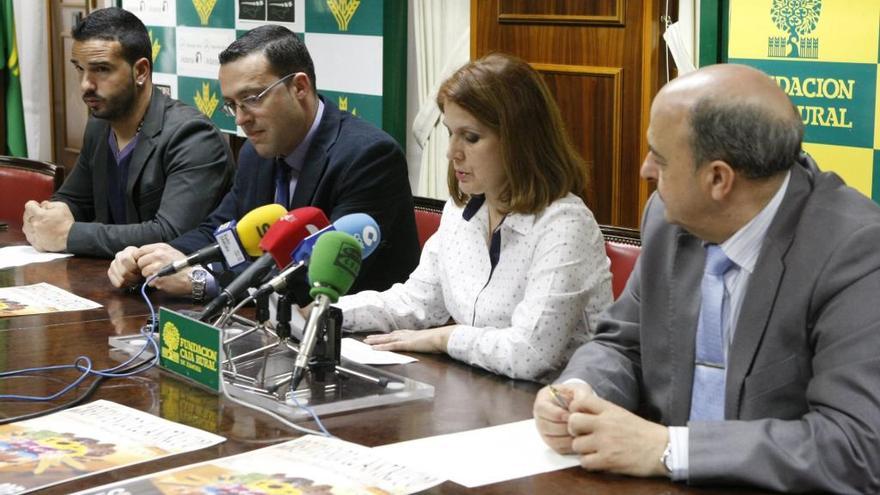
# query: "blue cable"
312,414
111,372
85,373
86,370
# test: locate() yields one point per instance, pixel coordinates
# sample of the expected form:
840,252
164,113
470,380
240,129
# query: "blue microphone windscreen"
363,228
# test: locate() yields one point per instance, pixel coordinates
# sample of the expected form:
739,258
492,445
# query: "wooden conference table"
465,397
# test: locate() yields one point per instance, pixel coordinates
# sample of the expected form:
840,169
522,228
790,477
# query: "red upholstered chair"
22,179
428,211
622,246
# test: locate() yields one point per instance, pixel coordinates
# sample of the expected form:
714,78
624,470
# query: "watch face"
199,275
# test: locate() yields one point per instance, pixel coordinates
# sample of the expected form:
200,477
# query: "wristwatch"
198,277
666,458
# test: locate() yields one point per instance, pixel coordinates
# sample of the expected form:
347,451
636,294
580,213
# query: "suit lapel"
684,307
315,163
763,289
265,182
100,162
145,146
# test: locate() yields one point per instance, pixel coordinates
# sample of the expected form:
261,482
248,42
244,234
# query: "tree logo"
170,342
797,18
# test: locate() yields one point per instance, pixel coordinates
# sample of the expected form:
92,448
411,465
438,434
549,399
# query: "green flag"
15,134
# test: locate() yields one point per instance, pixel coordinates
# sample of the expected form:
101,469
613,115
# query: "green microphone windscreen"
335,262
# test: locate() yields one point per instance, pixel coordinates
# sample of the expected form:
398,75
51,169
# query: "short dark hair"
748,137
283,49
540,163
115,24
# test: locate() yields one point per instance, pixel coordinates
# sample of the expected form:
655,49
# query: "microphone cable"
84,365
323,431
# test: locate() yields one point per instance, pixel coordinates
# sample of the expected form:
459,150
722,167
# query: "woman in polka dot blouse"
514,276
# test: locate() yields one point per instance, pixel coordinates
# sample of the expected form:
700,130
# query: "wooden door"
69,112
601,59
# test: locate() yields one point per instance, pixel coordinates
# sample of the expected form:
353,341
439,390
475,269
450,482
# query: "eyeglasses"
252,102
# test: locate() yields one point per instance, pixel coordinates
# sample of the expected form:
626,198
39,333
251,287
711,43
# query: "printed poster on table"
39,299
89,439
308,465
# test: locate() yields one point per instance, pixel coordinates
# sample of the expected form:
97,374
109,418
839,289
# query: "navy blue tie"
707,396
282,183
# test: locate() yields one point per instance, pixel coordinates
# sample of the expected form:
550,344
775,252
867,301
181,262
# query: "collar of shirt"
295,160
118,154
744,246
521,224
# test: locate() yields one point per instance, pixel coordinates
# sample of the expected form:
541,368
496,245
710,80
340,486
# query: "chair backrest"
22,179
622,246
428,212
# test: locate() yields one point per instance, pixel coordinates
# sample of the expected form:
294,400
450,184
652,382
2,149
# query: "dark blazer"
802,400
179,170
350,167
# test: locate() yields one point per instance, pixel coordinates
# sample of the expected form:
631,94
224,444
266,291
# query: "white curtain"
441,38
682,37
32,36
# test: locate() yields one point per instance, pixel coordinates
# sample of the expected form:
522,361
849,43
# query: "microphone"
289,229
301,223
245,233
358,225
240,241
334,265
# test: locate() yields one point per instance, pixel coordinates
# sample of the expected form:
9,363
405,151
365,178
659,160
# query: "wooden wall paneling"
587,12
603,74
595,94
654,72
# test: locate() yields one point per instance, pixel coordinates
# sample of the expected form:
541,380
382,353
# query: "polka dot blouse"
520,311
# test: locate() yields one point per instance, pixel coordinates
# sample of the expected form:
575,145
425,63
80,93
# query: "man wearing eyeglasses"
150,167
301,151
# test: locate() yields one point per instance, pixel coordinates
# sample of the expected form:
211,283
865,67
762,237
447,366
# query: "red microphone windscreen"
285,234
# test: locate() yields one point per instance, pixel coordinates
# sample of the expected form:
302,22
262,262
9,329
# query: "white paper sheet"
24,255
352,349
359,352
480,457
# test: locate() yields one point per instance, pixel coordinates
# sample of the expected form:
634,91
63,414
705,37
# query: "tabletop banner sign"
190,348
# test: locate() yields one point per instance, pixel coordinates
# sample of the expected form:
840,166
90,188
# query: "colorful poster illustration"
85,440
310,465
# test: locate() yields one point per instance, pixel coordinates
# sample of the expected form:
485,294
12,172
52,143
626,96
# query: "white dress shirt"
522,318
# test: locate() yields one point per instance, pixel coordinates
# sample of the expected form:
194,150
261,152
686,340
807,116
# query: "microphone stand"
325,329
282,316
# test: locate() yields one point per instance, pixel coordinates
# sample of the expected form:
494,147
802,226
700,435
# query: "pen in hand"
557,396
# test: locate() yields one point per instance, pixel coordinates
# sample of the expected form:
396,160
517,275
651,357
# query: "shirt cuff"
212,288
678,441
460,341
576,380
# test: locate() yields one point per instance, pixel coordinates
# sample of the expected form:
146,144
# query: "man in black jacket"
150,167
334,161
